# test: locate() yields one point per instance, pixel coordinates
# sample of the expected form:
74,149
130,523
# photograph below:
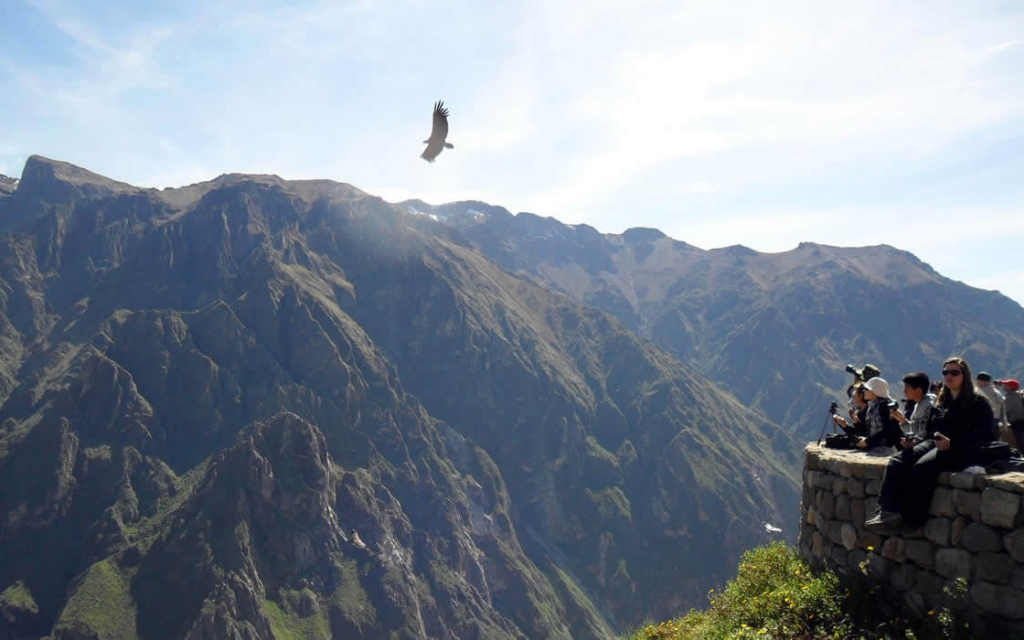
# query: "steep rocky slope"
775,329
253,406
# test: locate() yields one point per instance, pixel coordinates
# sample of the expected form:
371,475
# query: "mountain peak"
45,173
642,234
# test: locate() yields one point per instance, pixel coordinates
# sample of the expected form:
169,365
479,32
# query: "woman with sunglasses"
965,419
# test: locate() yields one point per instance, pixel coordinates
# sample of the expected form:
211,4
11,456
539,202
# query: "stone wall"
975,530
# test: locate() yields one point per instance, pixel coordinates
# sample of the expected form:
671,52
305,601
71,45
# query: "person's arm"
890,433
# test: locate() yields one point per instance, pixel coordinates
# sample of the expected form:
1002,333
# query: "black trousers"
910,478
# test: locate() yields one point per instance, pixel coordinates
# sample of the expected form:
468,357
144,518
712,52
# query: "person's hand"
862,443
839,420
907,443
941,442
896,413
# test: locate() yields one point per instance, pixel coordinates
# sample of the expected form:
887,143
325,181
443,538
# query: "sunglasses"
952,372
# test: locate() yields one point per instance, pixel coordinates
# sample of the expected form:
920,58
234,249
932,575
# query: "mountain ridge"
730,312
512,464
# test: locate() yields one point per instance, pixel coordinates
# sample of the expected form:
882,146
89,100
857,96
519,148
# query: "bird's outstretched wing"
438,132
440,129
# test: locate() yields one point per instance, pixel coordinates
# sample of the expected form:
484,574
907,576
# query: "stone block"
849,536
914,602
843,507
1003,601
979,537
1014,543
938,530
878,567
820,523
838,558
1013,482
1017,579
930,586
956,533
953,563
942,503
838,486
855,487
845,469
812,458
921,553
996,568
895,549
854,560
1001,508
825,504
869,541
857,512
817,544
871,505
806,532
831,464
873,487
823,480
875,471
962,480
835,532
904,577
967,503
809,518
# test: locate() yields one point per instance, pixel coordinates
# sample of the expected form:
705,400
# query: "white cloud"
700,187
654,113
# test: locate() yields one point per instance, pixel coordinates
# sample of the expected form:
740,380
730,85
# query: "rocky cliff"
776,329
252,407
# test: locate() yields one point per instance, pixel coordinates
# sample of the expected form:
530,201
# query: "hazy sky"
765,125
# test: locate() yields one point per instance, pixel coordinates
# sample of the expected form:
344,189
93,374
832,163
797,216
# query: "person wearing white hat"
882,428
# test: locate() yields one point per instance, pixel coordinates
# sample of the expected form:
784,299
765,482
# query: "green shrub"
774,595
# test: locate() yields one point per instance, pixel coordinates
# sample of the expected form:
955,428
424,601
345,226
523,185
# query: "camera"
833,408
851,369
893,404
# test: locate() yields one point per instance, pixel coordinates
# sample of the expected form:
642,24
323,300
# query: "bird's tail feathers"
449,145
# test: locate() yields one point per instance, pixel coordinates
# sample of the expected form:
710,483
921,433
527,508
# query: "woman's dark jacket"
967,422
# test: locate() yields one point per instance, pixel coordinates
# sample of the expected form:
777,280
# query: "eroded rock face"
252,403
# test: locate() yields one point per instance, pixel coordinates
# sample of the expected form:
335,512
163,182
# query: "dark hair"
916,380
966,387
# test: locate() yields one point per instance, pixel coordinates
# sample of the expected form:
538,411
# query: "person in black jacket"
877,430
965,420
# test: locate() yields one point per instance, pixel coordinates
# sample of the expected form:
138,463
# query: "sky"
764,124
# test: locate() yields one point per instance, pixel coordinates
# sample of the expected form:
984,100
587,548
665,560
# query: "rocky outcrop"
975,531
253,404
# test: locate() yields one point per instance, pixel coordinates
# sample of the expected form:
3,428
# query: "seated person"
910,477
915,427
858,407
1013,406
880,431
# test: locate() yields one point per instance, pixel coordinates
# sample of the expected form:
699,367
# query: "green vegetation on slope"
776,595
103,602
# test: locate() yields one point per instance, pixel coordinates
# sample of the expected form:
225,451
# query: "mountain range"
254,407
774,329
